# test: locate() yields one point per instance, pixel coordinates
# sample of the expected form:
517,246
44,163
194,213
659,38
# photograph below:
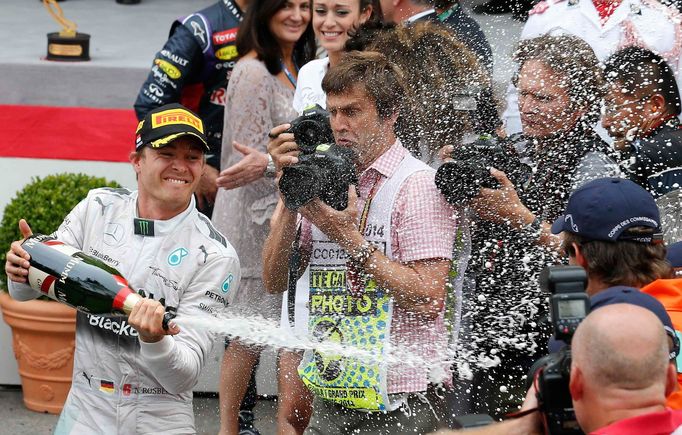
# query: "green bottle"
68,275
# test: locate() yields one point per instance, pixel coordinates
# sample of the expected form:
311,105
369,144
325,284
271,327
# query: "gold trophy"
67,44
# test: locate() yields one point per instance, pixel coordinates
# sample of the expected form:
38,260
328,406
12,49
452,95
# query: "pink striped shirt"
423,226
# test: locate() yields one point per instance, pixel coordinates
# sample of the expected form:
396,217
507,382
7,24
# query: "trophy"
67,44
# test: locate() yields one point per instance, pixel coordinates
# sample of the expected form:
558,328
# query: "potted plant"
43,331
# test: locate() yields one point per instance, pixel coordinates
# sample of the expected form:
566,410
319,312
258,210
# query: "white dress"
256,101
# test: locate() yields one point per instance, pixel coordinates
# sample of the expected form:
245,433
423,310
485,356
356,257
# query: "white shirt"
309,85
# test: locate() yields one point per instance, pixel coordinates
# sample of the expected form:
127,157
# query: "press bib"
360,320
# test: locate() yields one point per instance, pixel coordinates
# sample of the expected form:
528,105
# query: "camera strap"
294,266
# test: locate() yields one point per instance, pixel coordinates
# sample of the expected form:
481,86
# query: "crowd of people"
375,246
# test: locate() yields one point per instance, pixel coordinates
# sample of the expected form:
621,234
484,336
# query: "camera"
569,304
311,129
461,179
324,169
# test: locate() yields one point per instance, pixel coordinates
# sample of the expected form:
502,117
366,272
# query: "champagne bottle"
70,276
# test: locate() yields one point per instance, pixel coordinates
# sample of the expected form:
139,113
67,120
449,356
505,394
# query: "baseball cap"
631,295
604,209
164,124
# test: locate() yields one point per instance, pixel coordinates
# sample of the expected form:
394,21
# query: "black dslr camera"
461,180
569,304
311,129
324,169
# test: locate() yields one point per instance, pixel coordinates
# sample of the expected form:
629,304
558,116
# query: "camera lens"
458,181
299,185
308,135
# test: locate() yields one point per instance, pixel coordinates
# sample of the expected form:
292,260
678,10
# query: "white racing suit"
121,385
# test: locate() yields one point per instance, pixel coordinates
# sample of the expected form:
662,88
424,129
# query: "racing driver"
130,375
193,68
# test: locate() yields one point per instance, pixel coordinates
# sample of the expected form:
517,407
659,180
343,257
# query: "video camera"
461,180
324,169
569,304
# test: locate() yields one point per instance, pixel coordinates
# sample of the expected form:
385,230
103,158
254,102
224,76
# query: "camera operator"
611,227
620,373
391,246
640,113
559,86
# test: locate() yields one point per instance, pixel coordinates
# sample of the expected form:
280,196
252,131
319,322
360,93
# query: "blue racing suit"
195,64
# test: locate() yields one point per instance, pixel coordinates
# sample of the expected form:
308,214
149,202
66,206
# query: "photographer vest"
359,320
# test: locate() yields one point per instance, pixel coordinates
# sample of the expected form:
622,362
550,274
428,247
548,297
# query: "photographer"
559,86
611,227
620,373
390,247
620,376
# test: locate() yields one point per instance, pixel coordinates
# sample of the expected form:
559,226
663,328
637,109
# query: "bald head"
622,346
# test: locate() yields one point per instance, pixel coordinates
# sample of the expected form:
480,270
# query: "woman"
332,20
258,97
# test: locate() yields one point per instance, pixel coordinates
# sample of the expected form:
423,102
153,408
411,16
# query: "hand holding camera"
501,205
483,174
313,166
282,147
340,226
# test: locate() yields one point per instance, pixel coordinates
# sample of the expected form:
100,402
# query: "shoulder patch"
198,26
212,232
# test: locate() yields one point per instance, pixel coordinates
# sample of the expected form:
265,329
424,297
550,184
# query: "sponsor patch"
216,297
174,117
225,287
122,328
104,257
225,37
226,53
143,227
176,257
174,57
113,234
167,67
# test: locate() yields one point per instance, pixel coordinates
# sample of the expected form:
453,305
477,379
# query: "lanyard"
365,210
290,76
356,278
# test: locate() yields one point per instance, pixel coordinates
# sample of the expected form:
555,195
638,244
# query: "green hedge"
44,203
